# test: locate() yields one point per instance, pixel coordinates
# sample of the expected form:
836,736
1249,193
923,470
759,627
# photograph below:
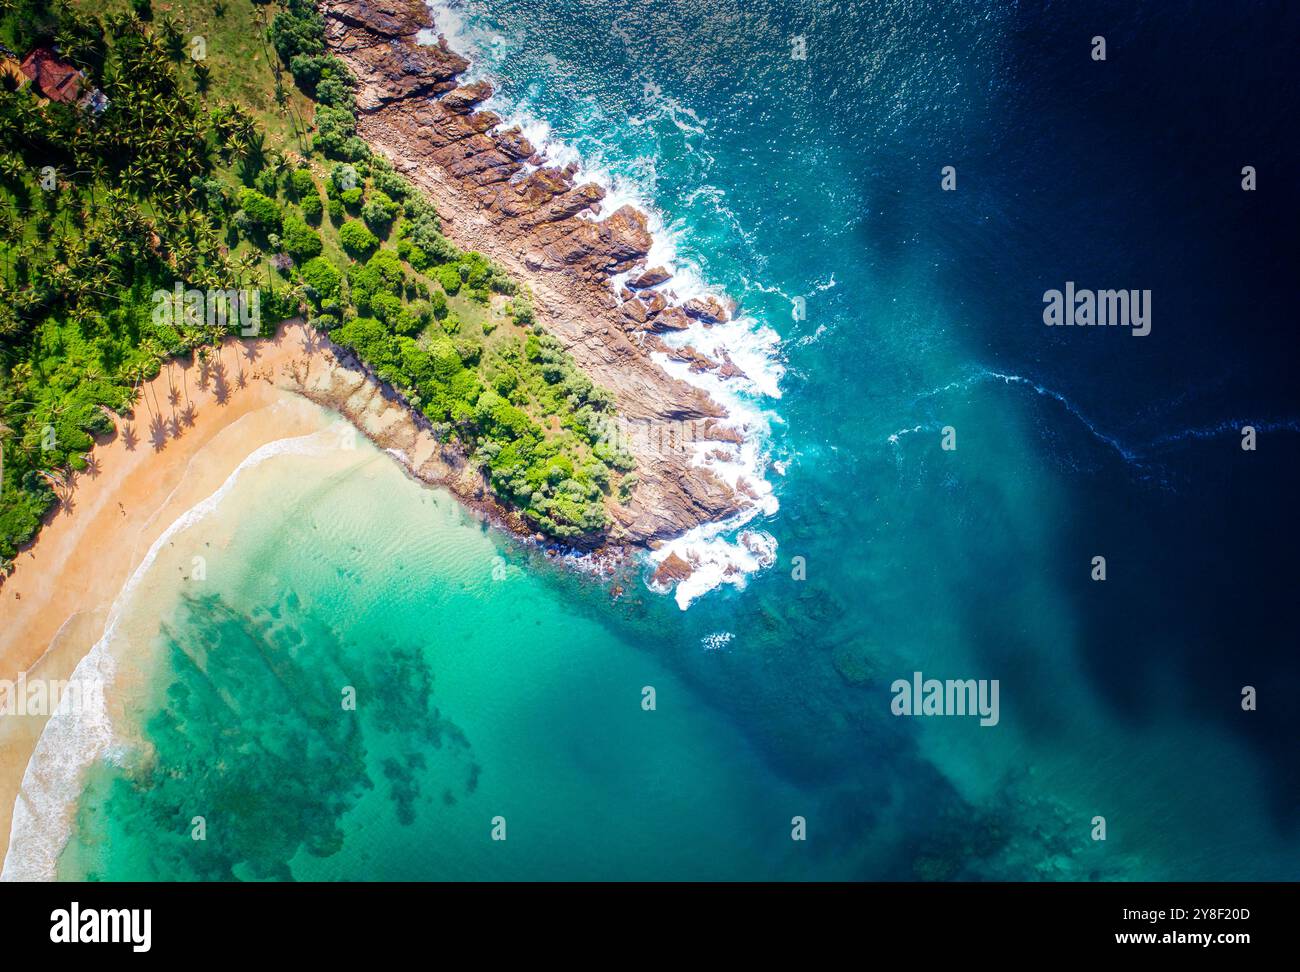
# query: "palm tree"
58,483
173,40
278,163
12,166
246,264
253,157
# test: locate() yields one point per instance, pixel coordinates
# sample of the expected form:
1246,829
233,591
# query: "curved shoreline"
60,601
57,600
72,740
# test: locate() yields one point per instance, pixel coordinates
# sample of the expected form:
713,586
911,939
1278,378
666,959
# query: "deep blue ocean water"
780,178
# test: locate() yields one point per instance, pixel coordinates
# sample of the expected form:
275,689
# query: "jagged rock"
654,302
721,433
671,570
462,99
697,361
635,310
708,309
671,319
513,143
729,369
649,278
378,40
387,19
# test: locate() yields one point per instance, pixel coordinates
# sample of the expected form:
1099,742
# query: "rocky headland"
497,194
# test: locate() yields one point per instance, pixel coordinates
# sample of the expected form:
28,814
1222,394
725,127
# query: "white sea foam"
896,437
717,641
718,552
715,560
75,738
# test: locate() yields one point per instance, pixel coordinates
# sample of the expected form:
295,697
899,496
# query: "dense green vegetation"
96,212
194,174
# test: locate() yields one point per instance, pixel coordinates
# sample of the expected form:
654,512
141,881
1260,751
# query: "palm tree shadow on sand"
158,433
220,383
311,341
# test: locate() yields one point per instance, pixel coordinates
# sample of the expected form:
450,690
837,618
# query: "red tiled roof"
53,78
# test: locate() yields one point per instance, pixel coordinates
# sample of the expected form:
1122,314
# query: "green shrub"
381,273
323,277
343,175
520,310
302,183
262,213
385,306
407,322
311,208
335,90
357,240
306,68
369,338
392,184
300,240
379,212
298,29
267,183
448,277
336,130
413,254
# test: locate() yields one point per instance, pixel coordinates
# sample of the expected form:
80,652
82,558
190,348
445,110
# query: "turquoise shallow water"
776,179
486,686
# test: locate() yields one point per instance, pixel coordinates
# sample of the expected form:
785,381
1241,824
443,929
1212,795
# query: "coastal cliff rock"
384,35
495,194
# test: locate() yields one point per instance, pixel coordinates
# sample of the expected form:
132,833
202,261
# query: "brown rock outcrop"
383,34
707,309
649,278
671,319
729,369
671,570
493,197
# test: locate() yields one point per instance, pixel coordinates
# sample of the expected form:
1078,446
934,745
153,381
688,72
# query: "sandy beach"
167,457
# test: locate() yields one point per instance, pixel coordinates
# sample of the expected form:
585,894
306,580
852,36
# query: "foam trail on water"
75,738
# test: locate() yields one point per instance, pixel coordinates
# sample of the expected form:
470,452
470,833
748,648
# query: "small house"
52,78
